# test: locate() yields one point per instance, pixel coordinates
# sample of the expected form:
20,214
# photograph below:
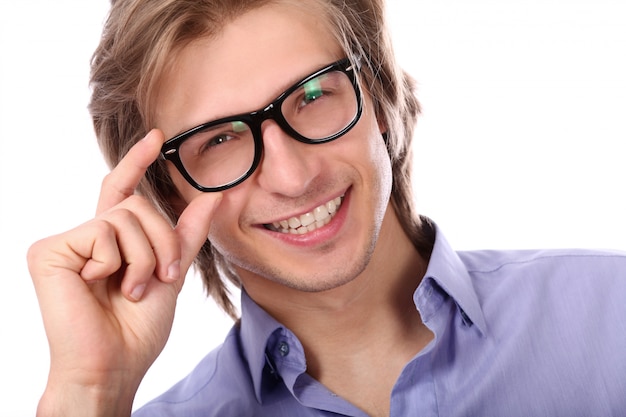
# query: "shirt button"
283,348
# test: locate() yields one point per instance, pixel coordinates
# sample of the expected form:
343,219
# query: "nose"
287,166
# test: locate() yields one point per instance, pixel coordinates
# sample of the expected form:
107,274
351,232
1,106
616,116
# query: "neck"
345,329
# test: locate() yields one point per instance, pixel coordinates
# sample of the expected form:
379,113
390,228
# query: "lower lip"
321,235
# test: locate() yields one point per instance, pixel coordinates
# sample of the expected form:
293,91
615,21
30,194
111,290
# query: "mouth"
307,222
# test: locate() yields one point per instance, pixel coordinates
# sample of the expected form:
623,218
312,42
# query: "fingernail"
217,200
173,271
147,135
138,292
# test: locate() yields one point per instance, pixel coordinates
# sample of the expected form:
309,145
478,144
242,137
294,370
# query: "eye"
217,137
215,141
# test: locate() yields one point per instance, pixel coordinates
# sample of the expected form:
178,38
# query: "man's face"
255,58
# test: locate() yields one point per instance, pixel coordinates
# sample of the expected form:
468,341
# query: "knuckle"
135,203
139,270
147,262
120,215
150,263
102,229
138,201
111,182
36,250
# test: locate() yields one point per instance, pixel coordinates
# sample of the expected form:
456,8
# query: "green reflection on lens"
239,127
313,89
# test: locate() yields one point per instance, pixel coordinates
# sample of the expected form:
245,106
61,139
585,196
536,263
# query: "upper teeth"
320,216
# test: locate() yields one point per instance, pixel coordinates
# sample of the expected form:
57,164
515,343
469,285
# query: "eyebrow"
292,81
296,79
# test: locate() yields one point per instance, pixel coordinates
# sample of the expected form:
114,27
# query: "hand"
108,288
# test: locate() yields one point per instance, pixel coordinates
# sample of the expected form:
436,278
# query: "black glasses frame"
169,150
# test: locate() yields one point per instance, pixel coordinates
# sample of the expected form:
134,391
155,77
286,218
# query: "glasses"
221,154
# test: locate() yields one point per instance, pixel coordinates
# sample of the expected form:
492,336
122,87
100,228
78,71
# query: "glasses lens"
322,106
220,154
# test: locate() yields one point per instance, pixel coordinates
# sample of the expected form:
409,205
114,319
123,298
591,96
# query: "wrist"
70,399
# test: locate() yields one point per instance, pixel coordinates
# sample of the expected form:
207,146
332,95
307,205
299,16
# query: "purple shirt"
517,333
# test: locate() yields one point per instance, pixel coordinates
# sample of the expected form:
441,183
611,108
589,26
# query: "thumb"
193,226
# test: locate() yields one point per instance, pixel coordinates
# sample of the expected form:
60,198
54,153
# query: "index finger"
122,181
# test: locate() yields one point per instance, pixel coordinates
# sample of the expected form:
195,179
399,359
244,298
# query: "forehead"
253,59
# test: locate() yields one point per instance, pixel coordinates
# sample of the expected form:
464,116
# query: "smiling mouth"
308,222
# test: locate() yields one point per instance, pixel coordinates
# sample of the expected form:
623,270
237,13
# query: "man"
284,133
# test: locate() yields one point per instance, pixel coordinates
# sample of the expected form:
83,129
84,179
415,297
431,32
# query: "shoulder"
553,282
554,313
507,263
221,379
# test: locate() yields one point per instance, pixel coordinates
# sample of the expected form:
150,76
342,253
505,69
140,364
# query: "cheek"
224,234
378,170
382,168
217,231
185,190
225,231
376,149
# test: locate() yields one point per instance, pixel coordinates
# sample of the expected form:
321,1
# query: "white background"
521,144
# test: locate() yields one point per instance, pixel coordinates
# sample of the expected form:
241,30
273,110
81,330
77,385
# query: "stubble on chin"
311,281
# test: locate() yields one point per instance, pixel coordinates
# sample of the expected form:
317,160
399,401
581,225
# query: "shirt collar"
445,269
449,274
257,327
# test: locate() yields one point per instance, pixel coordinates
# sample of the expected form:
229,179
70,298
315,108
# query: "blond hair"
139,39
